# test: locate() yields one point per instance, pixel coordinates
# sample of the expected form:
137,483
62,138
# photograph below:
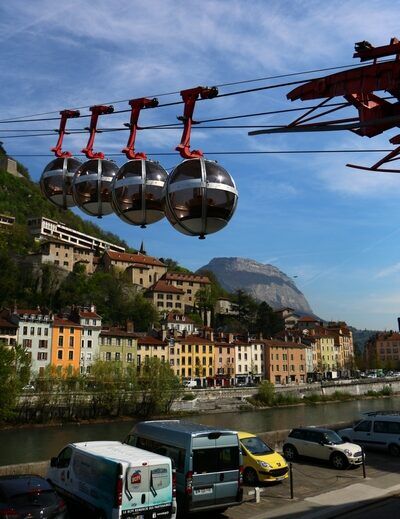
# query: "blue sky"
334,228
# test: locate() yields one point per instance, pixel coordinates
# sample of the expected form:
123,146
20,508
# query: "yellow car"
260,462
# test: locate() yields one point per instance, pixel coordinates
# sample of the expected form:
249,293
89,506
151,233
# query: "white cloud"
388,271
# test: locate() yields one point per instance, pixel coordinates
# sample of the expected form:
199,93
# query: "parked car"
260,462
208,462
28,387
115,480
377,429
323,444
29,496
189,383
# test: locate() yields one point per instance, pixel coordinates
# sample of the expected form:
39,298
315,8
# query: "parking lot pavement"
318,488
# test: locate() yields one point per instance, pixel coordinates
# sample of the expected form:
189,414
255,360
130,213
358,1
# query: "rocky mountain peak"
262,281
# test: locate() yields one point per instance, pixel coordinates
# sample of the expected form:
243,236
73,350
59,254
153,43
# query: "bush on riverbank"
385,391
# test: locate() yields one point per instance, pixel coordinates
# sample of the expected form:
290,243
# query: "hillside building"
8,330
197,359
10,166
140,269
149,347
177,324
63,255
189,283
166,297
6,222
42,228
383,351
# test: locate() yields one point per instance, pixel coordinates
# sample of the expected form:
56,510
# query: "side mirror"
54,462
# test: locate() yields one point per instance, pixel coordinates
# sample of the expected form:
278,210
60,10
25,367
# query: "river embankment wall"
214,399
274,439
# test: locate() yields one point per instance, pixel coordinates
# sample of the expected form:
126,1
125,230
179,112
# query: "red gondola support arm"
65,115
96,112
137,105
190,97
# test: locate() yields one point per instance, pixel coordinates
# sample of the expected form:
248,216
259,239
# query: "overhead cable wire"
230,152
233,83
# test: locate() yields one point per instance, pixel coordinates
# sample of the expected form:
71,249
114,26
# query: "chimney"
129,326
93,308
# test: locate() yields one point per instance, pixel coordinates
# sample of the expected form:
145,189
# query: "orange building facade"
66,344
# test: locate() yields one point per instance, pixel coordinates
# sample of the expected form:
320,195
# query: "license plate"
202,491
280,478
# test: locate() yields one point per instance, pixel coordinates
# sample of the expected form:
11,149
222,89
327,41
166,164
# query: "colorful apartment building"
118,344
35,327
383,351
197,358
66,344
285,362
90,322
224,363
149,347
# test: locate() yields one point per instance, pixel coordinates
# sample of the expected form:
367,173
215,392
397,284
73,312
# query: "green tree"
159,386
267,321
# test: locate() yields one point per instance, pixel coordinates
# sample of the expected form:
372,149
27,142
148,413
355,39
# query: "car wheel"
339,461
394,450
290,452
250,476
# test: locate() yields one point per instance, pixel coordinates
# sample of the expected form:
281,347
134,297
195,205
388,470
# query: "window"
89,344
61,341
387,427
71,342
108,355
61,329
215,460
71,330
89,332
60,354
42,355
27,343
71,355
118,356
25,330
364,426
46,332
32,330
39,331
118,342
129,357
43,344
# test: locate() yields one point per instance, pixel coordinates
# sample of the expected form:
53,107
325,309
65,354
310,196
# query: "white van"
115,480
378,429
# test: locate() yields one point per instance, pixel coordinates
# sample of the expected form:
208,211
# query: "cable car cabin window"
215,460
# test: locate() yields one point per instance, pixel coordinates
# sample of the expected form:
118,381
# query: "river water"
40,443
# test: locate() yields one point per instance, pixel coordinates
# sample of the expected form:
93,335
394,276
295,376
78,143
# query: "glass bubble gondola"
137,192
200,197
56,181
91,186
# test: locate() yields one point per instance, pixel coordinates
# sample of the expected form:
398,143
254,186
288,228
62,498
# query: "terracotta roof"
388,336
114,331
140,259
4,323
29,311
162,286
308,319
194,339
89,315
283,344
174,276
150,341
60,321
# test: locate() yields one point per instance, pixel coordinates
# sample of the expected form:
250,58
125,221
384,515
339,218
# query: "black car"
29,496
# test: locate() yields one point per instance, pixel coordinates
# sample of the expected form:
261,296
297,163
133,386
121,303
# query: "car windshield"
256,446
331,438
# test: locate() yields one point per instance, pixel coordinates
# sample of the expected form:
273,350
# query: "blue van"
207,460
